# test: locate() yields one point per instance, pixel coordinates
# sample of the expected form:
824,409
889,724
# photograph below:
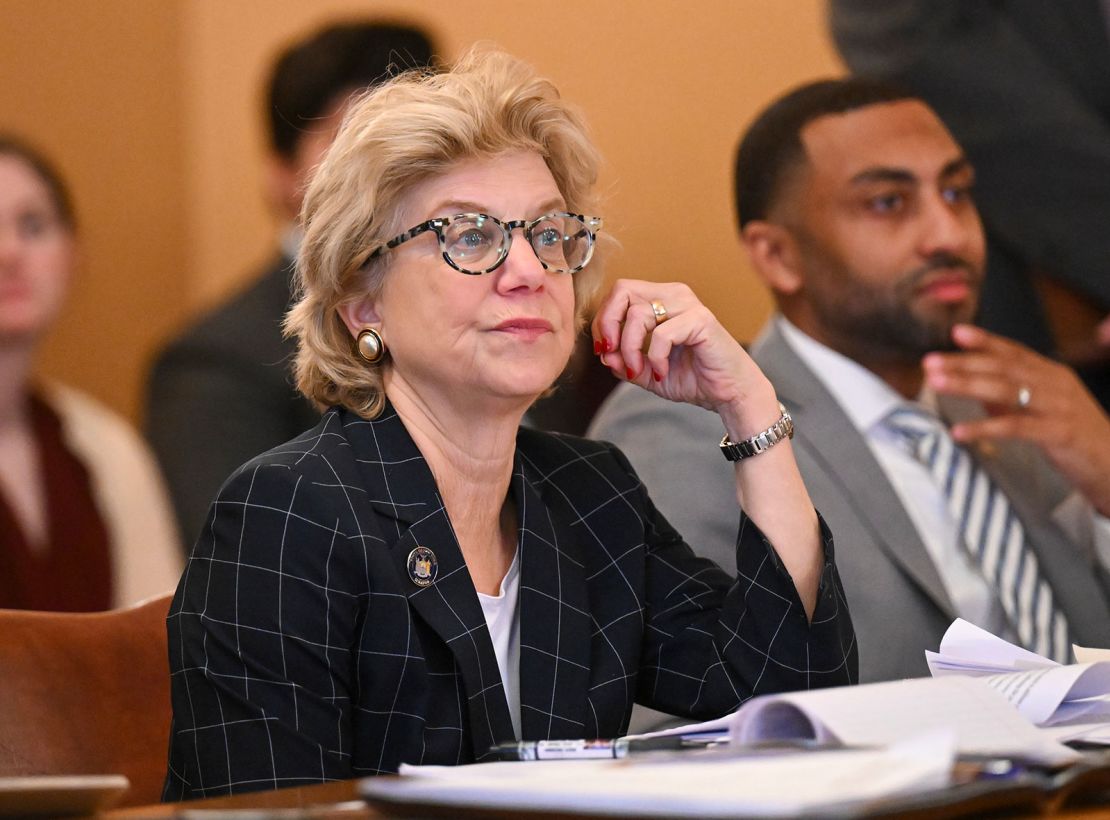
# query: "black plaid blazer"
301,651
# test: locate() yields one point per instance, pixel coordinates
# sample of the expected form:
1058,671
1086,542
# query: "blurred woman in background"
84,521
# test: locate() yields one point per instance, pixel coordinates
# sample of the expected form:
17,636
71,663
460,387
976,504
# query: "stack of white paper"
686,785
980,718
996,714
1072,700
987,697
966,649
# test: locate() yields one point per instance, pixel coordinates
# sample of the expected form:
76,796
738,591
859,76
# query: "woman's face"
504,335
36,253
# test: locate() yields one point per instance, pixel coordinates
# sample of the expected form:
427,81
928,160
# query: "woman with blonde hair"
418,578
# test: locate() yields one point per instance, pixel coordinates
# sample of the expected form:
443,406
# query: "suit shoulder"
629,409
321,454
247,323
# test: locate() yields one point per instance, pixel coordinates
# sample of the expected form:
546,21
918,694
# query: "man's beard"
873,326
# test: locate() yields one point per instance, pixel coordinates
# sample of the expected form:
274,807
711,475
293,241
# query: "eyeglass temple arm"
407,235
415,232
592,223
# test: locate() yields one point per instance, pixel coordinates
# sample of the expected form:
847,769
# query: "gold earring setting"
371,345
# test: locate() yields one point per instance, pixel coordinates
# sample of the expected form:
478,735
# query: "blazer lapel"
555,628
400,487
833,445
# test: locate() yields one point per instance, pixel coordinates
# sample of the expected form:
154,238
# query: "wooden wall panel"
666,85
153,110
97,86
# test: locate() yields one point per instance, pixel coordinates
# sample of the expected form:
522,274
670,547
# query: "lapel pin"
422,566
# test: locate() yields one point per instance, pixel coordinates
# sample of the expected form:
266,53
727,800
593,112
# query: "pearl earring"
371,346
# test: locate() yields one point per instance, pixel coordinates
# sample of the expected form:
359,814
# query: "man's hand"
1030,398
1102,333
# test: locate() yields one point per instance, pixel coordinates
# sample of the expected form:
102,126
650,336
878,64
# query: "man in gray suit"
855,207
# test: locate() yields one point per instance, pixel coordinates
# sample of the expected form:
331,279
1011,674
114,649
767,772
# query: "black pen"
595,749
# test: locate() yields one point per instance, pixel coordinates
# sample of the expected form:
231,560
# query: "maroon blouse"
73,572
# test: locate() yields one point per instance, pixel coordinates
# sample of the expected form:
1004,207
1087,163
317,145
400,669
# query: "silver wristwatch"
781,429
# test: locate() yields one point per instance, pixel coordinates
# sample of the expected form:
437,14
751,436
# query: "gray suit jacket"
899,605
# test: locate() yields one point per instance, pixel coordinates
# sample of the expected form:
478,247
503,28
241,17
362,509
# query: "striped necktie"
989,531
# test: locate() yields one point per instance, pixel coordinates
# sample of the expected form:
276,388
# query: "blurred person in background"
222,392
85,523
1024,86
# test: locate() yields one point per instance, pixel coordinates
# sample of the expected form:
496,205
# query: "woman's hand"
684,354
666,341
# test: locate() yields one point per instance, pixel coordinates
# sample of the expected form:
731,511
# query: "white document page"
980,717
686,785
1059,694
1045,692
966,649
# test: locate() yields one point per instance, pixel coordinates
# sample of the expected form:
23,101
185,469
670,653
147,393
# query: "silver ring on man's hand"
659,311
1024,397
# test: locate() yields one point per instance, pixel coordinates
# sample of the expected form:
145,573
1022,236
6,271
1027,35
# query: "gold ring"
659,311
1024,397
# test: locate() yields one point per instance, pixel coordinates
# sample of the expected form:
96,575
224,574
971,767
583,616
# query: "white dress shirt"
867,400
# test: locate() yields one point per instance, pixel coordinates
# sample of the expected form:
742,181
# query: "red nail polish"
606,346
631,374
656,376
597,347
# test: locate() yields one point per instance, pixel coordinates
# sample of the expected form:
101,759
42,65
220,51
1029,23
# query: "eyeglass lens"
477,243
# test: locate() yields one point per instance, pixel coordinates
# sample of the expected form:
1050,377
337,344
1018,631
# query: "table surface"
341,800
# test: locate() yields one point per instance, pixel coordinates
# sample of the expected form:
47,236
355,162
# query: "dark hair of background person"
772,144
11,146
346,56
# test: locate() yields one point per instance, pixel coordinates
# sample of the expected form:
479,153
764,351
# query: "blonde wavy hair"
415,126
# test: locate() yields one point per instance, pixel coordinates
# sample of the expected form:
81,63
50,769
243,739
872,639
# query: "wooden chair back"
87,693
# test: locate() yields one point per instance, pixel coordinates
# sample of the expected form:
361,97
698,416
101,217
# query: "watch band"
781,429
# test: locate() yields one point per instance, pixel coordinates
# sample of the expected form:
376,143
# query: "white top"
867,400
502,613
290,240
129,492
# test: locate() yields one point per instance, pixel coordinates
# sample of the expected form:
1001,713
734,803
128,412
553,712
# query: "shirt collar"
864,397
291,237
